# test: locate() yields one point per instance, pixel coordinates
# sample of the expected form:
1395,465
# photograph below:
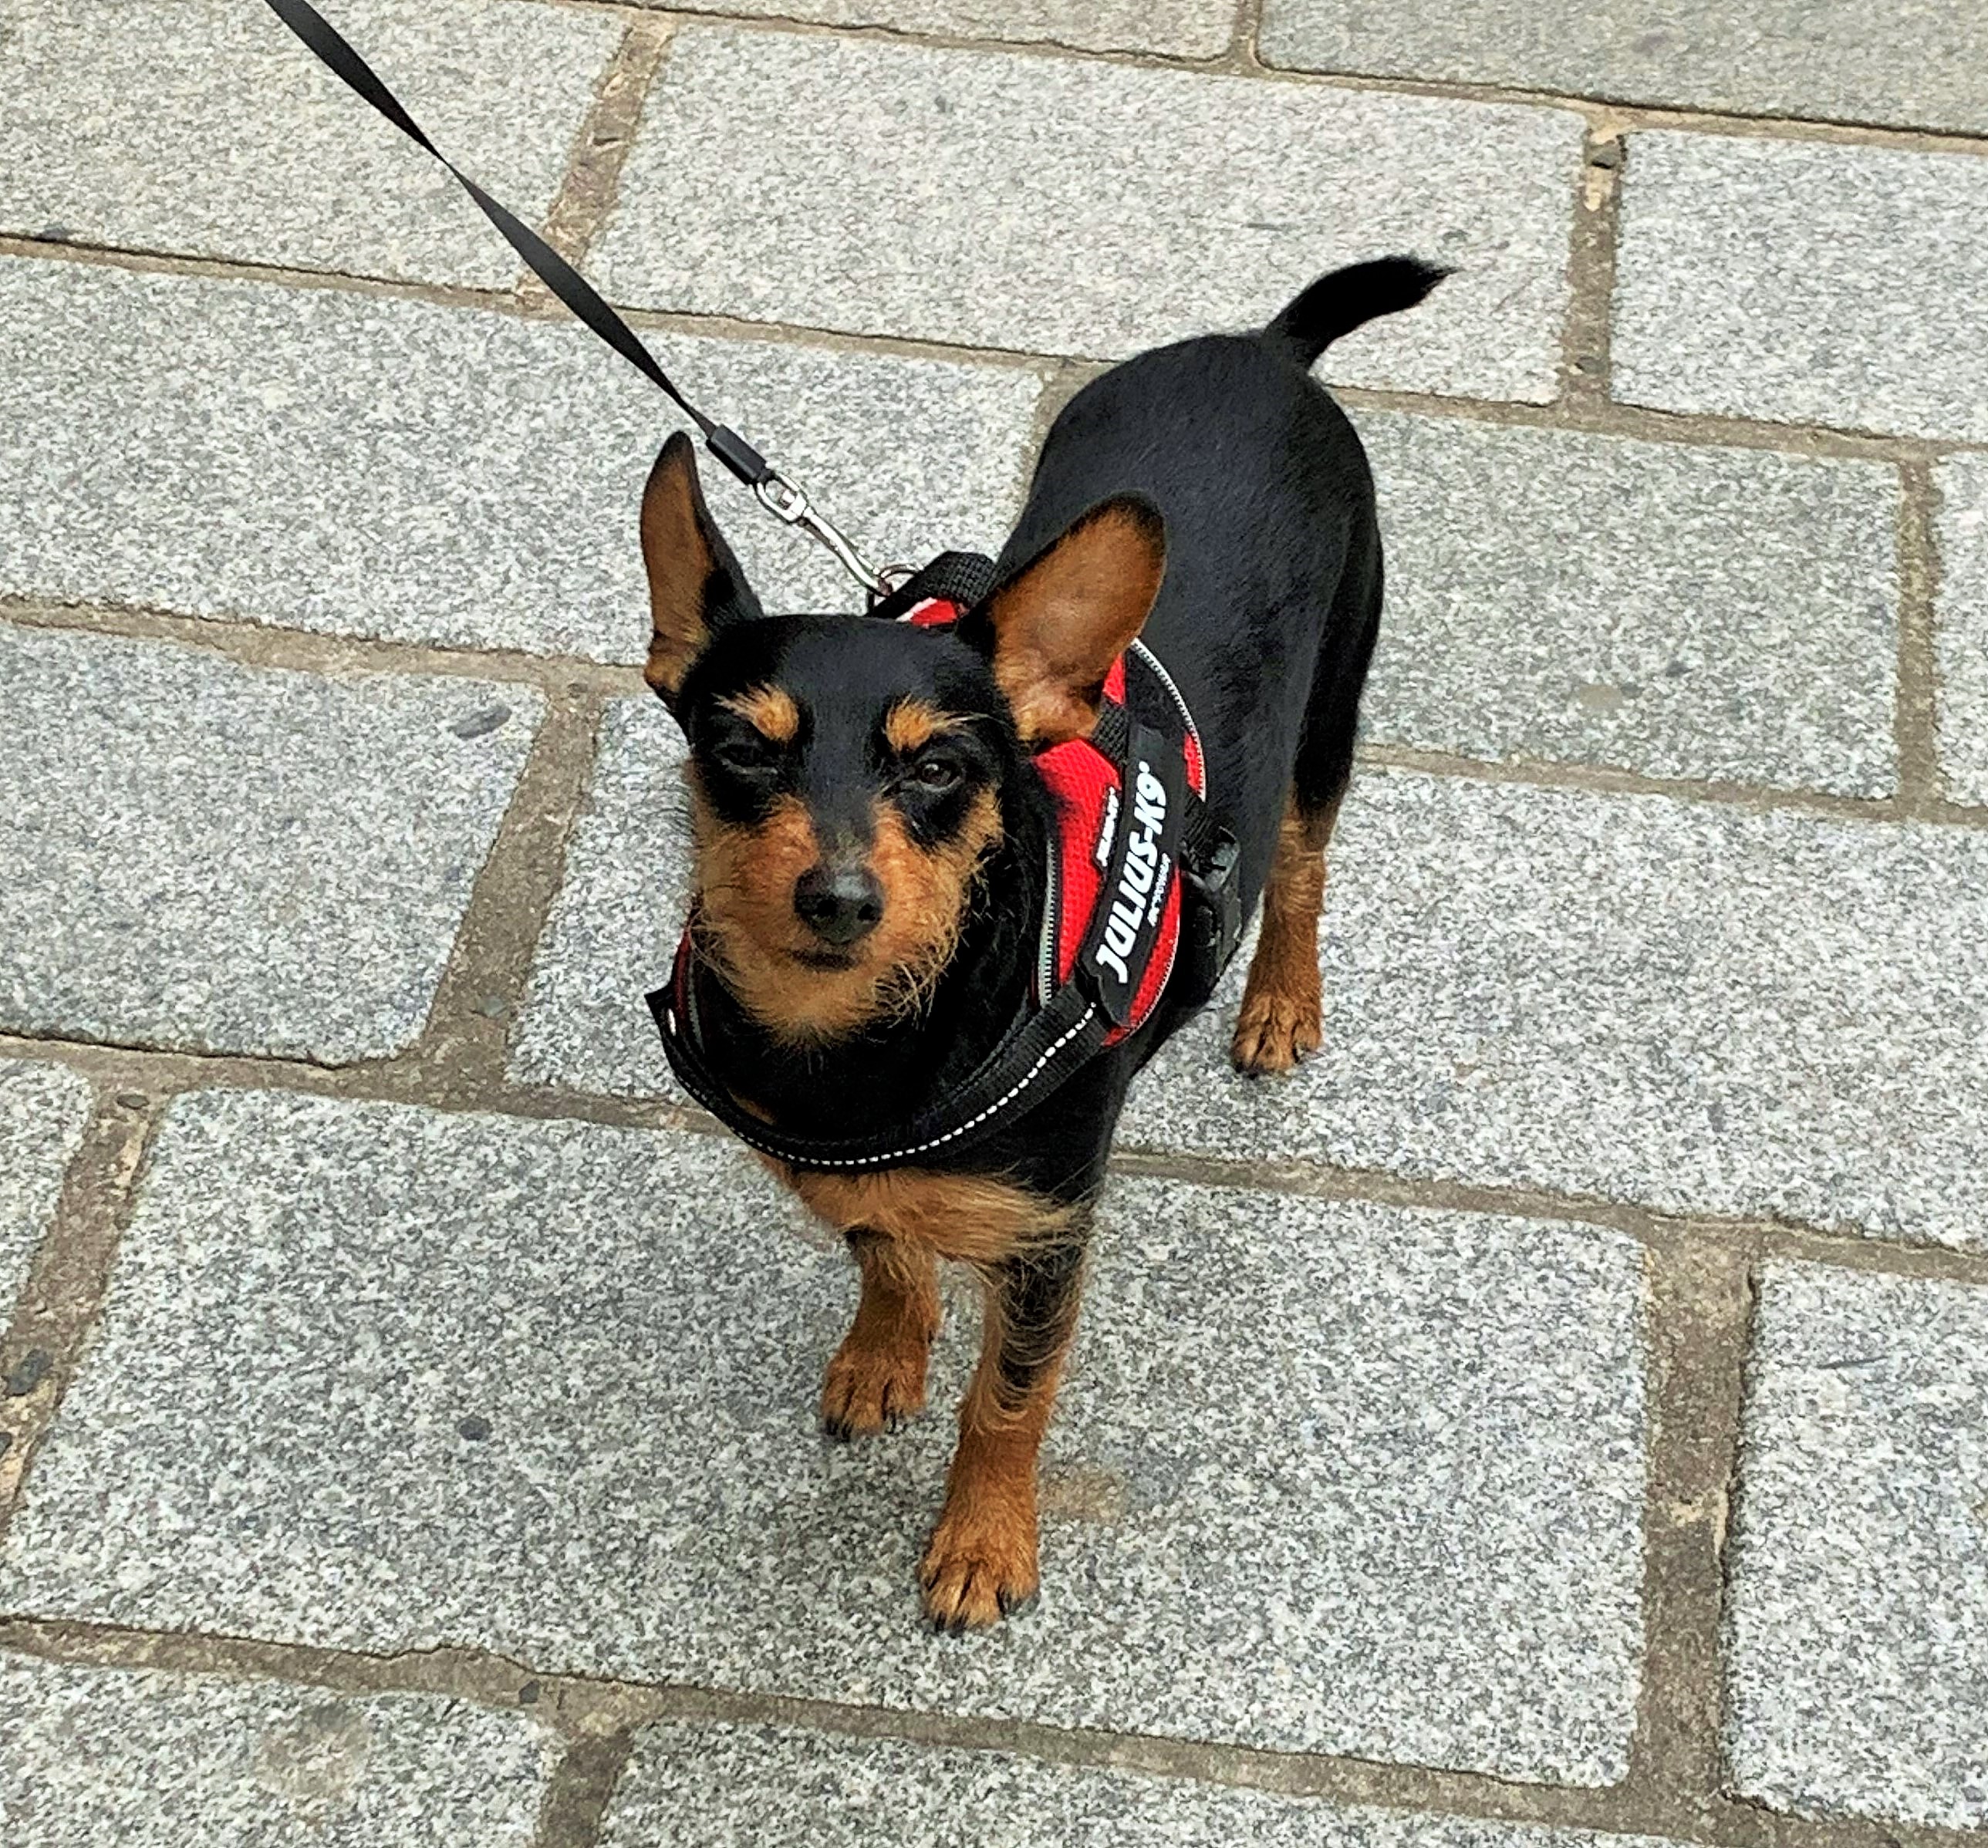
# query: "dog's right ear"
1054,628
695,586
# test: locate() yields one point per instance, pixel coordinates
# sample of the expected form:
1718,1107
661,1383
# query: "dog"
873,838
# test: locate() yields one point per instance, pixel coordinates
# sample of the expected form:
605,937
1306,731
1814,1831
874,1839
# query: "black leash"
779,496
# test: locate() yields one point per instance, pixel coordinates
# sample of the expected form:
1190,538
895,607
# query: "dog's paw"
1274,1033
979,1568
869,1389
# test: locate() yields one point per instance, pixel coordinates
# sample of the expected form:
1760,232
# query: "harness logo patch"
1142,878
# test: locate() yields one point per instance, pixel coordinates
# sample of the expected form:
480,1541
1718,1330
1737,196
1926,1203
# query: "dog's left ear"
1052,630
695,586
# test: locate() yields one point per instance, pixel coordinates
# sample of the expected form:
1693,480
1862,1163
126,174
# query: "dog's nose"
839,904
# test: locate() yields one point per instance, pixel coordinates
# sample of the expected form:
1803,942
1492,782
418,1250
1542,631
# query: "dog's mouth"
822,957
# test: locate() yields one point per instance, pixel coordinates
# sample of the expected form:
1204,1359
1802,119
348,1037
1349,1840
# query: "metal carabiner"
788,501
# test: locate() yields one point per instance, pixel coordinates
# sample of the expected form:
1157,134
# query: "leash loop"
584,300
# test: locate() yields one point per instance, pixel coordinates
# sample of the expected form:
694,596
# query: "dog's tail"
1337,303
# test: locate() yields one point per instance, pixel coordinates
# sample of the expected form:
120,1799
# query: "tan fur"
1281,1019
770,711
745,879
1060,625
982,1560
972,1218
912,723
878,1377
680,562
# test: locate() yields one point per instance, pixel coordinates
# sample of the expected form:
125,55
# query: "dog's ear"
1052,630
695,586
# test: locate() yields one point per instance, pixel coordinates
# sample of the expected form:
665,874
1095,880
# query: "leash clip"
790,501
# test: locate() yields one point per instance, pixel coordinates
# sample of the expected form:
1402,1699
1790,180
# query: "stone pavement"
1560,1412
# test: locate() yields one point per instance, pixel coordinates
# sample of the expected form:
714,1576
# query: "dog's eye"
745,754
934,774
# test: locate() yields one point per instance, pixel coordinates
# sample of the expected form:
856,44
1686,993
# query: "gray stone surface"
1686,1005
1182,29
1803,282
1961,532
147,1759
1858,1574
43,1109
776,1788
1677,610
202,126
613,928
198,854
1030,203
335,461
1328,1475
1927,67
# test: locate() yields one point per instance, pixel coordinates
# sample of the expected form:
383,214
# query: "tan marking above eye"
912,723
769,710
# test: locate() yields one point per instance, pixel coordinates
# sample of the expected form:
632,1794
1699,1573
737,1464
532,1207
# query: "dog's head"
849,778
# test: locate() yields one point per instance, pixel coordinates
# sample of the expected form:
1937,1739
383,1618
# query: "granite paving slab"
716,1784
1181,28
1681,611
1328,1475
1803,282
43,1109
1686,1005
1858,1573
1927,67
613,928
149,1759
1961,533
336,461
203,128
198,854
1026,202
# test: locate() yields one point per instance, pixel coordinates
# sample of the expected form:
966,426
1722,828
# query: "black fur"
1337,303
1267,618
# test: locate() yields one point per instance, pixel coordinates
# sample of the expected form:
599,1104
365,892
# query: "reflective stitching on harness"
916,1148
1046,941
1180,706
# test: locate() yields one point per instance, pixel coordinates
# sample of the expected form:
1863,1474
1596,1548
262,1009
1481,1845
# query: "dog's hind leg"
981,1561
1279,1022
1281,1019
878,1377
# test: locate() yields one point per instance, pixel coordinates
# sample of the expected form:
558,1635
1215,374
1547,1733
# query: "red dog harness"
1087,781
1141,906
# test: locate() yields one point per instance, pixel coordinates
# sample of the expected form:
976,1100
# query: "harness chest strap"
1042,1050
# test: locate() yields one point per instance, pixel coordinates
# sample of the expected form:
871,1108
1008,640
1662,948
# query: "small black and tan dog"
872,841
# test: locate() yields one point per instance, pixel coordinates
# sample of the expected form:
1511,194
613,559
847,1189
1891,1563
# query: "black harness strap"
552,269
964,578
1038,1053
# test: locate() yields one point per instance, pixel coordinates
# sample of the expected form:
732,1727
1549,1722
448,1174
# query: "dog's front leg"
981,1563
878,1377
